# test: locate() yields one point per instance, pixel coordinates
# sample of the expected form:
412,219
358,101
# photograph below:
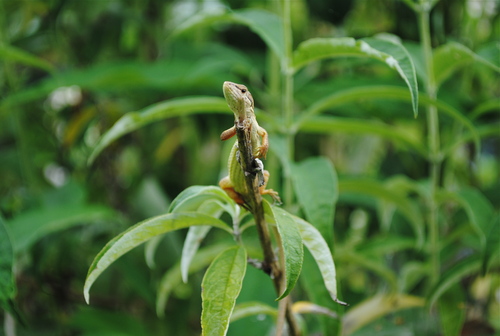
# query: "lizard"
241,102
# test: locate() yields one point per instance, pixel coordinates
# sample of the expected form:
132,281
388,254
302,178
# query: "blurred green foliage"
70,69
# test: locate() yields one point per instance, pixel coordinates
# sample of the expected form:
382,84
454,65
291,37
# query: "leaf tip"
93,155
86,288
86,295
342,303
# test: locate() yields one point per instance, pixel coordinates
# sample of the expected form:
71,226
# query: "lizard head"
239,99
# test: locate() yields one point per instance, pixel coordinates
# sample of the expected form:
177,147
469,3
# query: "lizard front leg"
264,146
228,134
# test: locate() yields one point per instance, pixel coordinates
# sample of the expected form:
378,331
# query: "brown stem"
253,202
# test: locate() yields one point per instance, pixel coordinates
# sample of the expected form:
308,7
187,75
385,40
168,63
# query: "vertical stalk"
271,265
287,72
9,326
432,136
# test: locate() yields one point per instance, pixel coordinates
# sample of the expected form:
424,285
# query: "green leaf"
10,53
492,243
328,124
174,75
195,236
291,243
31,226
452,311
264,23
316,244
384,92
382,245
150,249
305,307
376,307
485,107
490,52
132,121
478,208
7,284
316,187
411,274
452,56
220,287
139,234
406,69
321,48
314,286
8,289
483,220
247,309
405,205
192,198
173,277
483,131
453,276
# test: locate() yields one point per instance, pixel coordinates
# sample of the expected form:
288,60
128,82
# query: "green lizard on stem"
247,182
240,101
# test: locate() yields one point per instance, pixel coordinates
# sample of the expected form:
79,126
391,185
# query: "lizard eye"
243,90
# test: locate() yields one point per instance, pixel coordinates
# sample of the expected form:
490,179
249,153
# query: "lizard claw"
262,152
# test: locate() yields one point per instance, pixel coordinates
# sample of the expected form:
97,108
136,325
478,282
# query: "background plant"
415,205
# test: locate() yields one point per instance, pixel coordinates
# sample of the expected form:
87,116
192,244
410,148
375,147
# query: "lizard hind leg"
228,187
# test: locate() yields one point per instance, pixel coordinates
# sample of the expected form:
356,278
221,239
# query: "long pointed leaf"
328,124
27,228
406,69
492,243
173,278
321,48
14,54
376,307
190,199
454,275
167,109
246,309
452,311
139,234
316,244
267,25
385,92
452,56
221,286
191,244
479,210
291,243
264,23
196,234
316,187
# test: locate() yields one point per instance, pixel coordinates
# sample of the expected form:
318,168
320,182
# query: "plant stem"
287,71
9,325
254,204
432,137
